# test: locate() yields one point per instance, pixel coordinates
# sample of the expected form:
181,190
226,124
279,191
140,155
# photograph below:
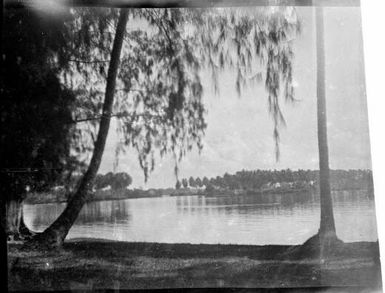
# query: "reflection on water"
252,219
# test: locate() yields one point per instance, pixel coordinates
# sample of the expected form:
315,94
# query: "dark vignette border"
186,3
6,4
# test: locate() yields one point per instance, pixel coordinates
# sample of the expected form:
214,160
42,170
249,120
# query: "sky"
239,134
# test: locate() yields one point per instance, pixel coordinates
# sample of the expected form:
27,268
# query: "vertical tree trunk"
327,226
55,234
325,241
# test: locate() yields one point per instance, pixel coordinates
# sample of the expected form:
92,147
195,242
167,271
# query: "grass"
86,264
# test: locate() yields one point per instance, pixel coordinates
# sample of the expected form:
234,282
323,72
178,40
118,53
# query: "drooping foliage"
158,103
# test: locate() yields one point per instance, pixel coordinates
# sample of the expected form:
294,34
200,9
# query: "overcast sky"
239,133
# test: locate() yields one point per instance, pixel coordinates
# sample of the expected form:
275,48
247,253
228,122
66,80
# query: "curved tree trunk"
327,226
55,234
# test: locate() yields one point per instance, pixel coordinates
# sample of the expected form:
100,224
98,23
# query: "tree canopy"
36,107
153,82
158,102
114,180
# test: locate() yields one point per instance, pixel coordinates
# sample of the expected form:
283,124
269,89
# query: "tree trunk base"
43,241
21,234
321,246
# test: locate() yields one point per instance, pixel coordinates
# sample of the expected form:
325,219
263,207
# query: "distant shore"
101,195
89,264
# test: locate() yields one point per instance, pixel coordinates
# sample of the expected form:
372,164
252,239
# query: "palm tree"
325,241
327,225
182,87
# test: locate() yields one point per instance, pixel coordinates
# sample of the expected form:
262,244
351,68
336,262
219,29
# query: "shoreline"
52,199
99,264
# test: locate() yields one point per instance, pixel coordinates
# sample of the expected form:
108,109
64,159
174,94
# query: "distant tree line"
255,180
116,181
69,60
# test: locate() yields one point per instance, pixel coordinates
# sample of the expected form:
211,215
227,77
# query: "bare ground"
99,264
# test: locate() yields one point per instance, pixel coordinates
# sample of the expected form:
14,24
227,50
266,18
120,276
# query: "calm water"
273,219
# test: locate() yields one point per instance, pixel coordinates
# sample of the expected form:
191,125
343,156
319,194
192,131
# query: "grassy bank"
97,264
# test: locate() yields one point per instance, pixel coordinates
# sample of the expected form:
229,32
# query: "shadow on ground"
87,264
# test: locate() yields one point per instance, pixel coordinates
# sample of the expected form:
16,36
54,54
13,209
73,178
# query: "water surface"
259,220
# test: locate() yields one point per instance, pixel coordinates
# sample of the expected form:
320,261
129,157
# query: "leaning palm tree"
159,100
54,235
